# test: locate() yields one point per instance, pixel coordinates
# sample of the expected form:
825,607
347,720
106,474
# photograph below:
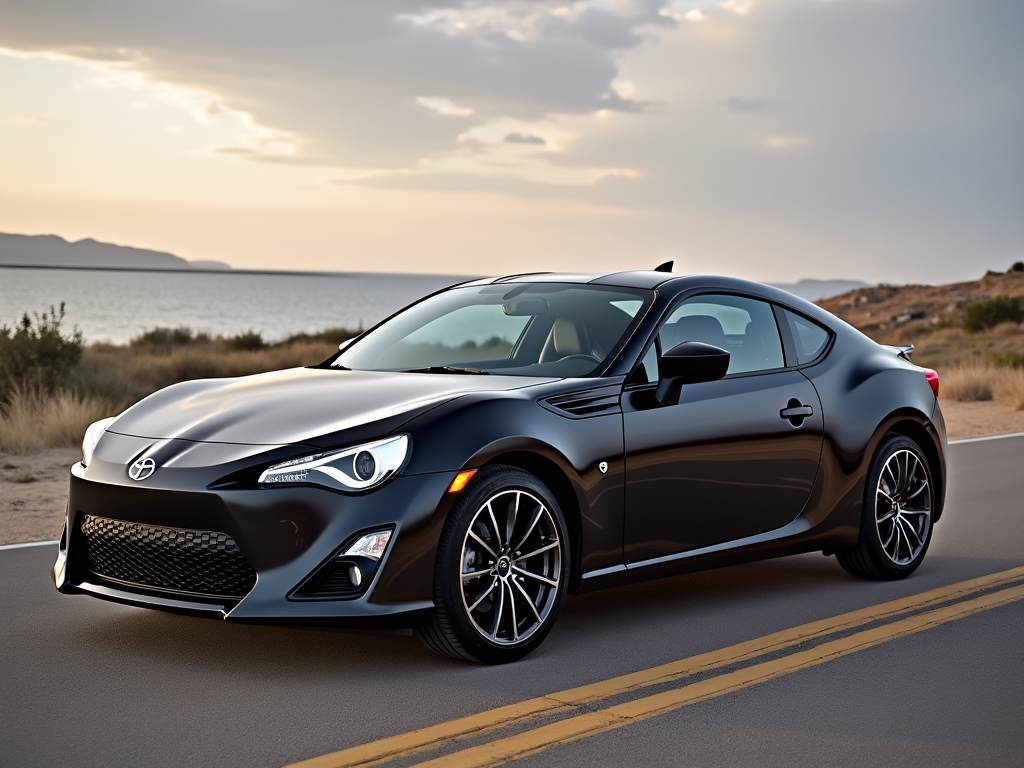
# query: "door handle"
796,412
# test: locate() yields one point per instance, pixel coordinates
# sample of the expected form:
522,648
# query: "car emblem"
142,469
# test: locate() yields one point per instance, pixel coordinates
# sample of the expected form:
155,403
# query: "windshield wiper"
449,369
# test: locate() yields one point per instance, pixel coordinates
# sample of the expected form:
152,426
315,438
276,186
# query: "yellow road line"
592,723
390,748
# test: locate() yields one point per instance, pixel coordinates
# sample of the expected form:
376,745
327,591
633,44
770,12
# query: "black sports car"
470,460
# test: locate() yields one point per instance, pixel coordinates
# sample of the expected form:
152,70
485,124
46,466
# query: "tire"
896,521
507,611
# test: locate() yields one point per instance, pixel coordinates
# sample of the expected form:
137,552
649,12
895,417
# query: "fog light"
355,575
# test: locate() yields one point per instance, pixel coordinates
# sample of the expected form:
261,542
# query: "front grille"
198,562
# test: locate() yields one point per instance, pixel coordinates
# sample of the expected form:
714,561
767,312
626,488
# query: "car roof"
630,279
669,283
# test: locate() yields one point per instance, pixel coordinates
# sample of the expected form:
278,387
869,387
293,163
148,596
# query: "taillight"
933,380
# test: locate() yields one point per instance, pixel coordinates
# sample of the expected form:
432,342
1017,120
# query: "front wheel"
896,524
501,569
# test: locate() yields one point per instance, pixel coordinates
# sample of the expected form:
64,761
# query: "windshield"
516,329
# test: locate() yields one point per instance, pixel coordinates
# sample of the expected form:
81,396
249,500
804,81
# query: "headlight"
92,436
350,469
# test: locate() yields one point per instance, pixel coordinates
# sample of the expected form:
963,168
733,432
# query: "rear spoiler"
900,351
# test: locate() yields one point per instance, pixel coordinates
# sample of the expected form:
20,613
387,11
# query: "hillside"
882,308
930,317
55,251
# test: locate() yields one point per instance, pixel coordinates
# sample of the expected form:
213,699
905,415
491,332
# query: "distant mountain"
55,251
815,290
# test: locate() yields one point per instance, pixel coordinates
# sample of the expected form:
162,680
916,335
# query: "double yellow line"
955,602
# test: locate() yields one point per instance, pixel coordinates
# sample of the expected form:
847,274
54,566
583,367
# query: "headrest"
695,328
566,337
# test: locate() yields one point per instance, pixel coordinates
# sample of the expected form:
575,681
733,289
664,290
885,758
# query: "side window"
743,327
809,338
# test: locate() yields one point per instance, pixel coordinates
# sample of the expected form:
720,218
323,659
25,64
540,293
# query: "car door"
736,457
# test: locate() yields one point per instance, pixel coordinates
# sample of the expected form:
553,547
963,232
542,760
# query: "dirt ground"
965,420
34,494
33,487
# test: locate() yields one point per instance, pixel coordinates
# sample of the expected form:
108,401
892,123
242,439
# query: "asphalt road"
84,682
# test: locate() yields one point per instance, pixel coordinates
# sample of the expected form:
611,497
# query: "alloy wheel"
903,502
511,566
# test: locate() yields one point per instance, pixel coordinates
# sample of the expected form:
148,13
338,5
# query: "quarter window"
809,338
743,327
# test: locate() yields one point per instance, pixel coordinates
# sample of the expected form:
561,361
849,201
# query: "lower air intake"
205,563
334,582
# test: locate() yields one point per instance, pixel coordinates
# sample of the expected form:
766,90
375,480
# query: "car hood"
298,405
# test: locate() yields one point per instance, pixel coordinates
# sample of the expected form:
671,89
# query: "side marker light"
460,480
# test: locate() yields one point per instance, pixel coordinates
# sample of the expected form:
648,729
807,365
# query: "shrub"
164,340
1009,360
249,341
37,356
1018,266
329,335
986,314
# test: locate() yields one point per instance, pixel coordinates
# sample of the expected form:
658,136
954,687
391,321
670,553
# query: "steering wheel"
590,358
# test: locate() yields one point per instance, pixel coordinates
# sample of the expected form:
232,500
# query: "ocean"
114,305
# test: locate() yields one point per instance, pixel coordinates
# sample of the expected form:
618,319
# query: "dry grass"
968,362
23,476
944,348
109,378
1009,388
125,374
969,383
31,421
978,382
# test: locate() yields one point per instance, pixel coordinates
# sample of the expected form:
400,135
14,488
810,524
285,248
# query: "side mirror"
689,363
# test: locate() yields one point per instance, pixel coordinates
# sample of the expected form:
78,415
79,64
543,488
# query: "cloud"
749,105
444,106
524,138
346,83
862,129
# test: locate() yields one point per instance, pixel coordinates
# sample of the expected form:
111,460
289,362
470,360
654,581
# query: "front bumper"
286,534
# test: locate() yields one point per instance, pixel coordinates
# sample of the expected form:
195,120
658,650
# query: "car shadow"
608,618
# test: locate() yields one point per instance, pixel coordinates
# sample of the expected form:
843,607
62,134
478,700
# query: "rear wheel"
896,523
500,574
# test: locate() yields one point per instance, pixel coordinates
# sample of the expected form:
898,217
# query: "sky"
879,140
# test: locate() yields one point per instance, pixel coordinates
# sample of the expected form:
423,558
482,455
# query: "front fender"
474,431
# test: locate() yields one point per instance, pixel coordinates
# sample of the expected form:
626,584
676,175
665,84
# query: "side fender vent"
582,405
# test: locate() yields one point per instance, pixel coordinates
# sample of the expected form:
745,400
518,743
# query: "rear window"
809,338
